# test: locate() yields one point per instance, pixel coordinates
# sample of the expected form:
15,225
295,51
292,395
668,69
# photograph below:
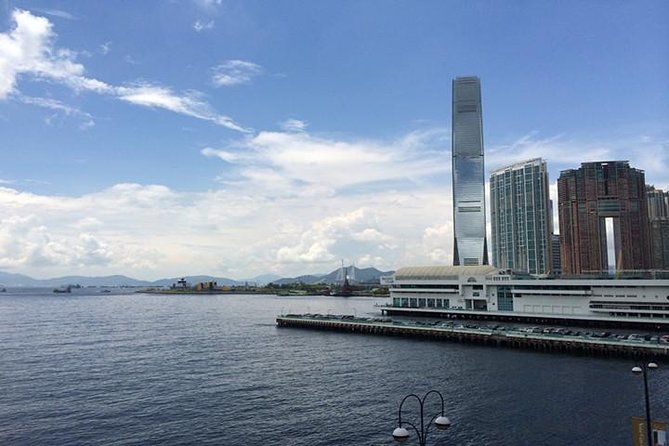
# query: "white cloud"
298,163
235,72
245,227
294,125
201,25
558,150
208,4
56,13
438,243
52,104
222,154
105,48
28,50
189,103
649,152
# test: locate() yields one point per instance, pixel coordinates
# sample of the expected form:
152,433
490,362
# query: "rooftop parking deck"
536,338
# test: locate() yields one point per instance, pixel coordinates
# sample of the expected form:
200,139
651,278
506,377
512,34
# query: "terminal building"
486,292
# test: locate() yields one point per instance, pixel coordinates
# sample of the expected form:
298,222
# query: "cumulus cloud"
28,50
163,232
235,72
315,244
438,243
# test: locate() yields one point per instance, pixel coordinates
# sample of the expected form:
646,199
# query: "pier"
497,337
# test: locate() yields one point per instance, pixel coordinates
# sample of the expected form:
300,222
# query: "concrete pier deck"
498,337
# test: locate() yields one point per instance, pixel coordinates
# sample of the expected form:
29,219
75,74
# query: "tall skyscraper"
520,215
469,245
603,218
658,216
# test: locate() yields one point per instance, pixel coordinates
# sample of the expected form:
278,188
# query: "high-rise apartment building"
470,246
658,216
520,215
603,218
556,257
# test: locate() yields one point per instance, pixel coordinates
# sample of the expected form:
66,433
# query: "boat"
67,289
345,289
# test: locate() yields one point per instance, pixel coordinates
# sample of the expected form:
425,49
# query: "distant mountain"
362,275
9,279
20,280
299,279
262,279
116,280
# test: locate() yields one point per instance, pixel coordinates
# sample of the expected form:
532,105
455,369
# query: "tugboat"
345,289
67,289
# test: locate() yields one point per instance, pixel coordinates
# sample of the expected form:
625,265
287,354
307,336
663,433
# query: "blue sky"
238,138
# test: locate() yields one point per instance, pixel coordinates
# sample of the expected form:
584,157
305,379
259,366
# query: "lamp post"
643,369
401,434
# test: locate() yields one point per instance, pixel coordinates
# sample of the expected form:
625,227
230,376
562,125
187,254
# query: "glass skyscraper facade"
520,217
469,245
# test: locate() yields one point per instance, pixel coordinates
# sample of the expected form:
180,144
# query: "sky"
238,138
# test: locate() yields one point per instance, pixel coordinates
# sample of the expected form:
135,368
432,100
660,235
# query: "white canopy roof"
442,272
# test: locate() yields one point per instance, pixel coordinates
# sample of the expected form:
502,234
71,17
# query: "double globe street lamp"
643,369
441,422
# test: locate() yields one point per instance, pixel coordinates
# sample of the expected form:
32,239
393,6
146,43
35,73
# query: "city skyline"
247,149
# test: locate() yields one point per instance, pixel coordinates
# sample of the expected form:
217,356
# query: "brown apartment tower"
600,198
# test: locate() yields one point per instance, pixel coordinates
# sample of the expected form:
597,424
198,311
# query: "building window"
504,298
430,303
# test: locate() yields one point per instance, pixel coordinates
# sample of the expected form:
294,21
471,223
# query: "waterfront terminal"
488,293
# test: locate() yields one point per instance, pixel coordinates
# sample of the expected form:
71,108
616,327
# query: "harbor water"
136,369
